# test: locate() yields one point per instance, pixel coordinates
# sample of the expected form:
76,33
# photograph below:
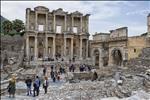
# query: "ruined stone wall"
101,37
135,46
120,32
11,47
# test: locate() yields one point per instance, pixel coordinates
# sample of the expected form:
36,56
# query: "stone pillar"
46,27
72,23
87,48
54,23
28,17
36,49
87,24
27,47
54,47
71,47
100,58
36,23
110,61
46,46
65,25
64,46
81,24
80,47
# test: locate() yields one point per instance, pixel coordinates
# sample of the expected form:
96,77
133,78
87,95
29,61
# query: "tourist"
28,82
58,76
36,86
95,76
70,67
45,84
44,71
12,87
89,68
62,59
73,67
81,68
53,75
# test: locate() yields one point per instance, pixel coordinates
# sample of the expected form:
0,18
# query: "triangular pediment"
60,11
41,8
77,13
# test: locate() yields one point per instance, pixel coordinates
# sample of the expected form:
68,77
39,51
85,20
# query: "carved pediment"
60,11
41,8
77,13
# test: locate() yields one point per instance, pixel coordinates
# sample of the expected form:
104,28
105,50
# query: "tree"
7,26
18,25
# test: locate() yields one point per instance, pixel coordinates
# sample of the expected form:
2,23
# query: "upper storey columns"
54,22
46,20
27,18
72,22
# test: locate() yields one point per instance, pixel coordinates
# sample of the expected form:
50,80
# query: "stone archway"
96,57
116,57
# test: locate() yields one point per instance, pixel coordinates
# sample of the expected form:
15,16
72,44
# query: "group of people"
84,67
71,68
56,75
36,85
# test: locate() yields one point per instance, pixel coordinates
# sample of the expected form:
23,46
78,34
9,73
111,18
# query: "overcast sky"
105,15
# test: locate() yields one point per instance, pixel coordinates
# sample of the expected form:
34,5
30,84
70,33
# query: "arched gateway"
116,57
96,57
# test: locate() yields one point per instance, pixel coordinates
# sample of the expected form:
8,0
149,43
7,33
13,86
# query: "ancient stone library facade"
56,34
59,34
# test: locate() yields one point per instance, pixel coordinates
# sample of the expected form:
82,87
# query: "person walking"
44,71
45,84
12,87
28,82
52,76
36,86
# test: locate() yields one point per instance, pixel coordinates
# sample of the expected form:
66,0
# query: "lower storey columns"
72,47
64,46
46,46
36,49
87,48
27,47
80,47
54,47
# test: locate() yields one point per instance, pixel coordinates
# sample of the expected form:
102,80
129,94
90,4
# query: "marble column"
46,46
87,48
46,27
36,49
81,24
80,47
87,25
54,47
36,23
54,23
72,23
28,17
100,58
65,25
27,47
71,47
64,46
